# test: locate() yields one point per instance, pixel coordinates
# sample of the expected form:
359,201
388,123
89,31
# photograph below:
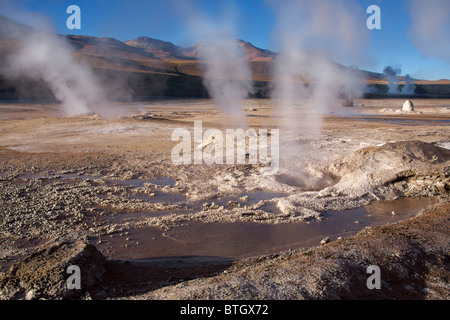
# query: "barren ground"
112,183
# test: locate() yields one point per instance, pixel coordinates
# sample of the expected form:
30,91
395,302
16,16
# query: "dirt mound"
44,274
368,168
388,172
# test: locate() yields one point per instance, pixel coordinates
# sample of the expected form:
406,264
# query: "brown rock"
43,274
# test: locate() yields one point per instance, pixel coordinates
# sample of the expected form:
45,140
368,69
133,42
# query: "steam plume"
46,57
430,25
226,72
392,74
409,86
309,36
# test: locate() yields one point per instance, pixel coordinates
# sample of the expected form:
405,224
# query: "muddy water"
406,122
245,239
232,240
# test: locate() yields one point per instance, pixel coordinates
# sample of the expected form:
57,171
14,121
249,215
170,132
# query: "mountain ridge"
148,51
152,67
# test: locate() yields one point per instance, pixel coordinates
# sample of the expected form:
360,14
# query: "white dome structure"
408,106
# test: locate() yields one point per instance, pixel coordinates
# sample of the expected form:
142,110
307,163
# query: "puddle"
246,198
159,197
307,182
164,181
245,239
139,216
407,122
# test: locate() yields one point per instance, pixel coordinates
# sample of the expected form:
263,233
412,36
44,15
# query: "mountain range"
145,54
146,66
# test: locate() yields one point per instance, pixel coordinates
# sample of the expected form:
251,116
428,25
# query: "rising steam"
226,71
409,86
310,35
226,74
46,57
392,75
430,27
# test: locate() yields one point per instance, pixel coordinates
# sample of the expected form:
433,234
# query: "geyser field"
122,174
371,188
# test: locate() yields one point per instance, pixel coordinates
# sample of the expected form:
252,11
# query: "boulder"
44,274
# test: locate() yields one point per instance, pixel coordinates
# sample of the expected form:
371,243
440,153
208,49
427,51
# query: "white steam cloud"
47,57
311,36
392,75
227,74
430,25
226,71
409,86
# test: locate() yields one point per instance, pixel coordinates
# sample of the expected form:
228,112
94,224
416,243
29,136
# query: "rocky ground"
69,183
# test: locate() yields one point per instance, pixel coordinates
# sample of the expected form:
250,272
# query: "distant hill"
10,29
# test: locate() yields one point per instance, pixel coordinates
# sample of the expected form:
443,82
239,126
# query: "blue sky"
254,22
